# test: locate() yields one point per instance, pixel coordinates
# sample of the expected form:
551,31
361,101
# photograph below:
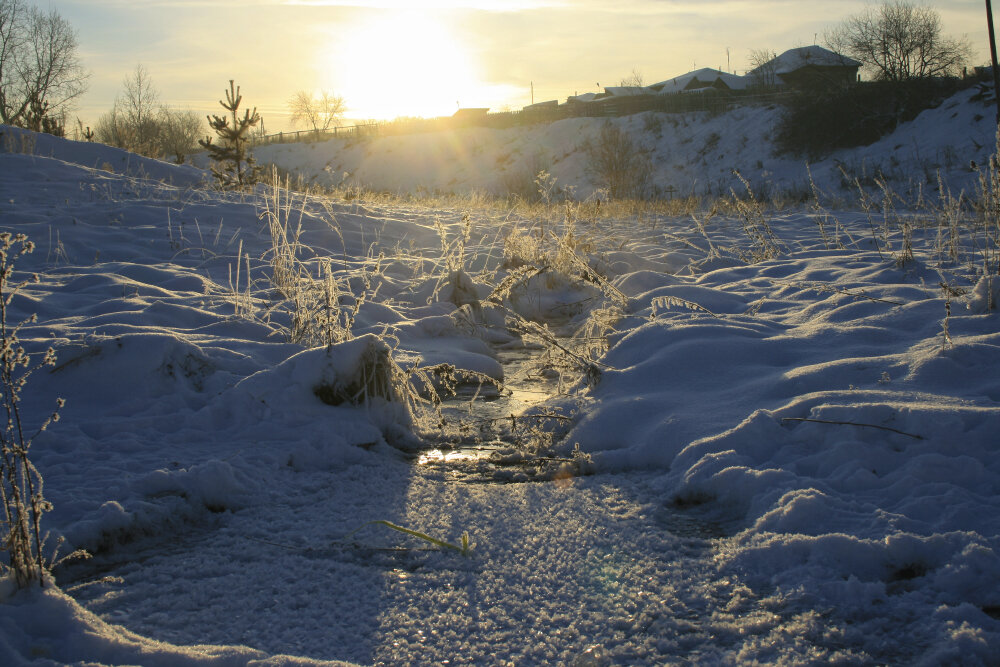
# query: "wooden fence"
313,135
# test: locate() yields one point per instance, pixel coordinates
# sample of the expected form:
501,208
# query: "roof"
625,91
706,76
586,97
542,105
803,56
470,112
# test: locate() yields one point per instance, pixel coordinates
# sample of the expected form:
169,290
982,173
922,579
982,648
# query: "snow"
804,56
705,75
794,460
692,153
627,91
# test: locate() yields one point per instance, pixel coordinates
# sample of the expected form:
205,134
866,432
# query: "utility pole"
993,55
532,92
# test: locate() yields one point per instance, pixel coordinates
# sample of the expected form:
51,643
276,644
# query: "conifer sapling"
234,167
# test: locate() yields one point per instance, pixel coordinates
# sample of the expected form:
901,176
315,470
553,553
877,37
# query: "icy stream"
559,572
633,563
491,424
524,387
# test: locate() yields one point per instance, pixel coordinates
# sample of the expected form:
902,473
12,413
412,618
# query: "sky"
392,58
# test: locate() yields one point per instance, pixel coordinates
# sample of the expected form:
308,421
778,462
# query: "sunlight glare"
403,64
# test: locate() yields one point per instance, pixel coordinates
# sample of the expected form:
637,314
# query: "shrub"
618,164
519,180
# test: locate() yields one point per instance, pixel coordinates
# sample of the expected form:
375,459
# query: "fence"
313,135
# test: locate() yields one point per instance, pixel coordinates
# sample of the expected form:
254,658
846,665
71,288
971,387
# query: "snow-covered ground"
692,153
781,444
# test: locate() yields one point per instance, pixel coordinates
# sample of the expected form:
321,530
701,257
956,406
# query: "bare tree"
635,79
763,72
179,133
321,111
109,128
898,40
138,106
132,123
138,122
40,72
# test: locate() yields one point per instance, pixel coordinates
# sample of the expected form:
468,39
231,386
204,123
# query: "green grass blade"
464,549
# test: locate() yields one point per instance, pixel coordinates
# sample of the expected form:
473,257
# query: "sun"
403,63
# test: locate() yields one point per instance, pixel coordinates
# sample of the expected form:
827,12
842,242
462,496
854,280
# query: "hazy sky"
397,57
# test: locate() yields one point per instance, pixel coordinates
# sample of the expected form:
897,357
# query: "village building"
700,80
809,67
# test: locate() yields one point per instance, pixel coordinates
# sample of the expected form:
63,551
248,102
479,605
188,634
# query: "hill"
693,153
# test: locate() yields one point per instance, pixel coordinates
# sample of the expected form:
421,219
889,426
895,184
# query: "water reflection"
453,456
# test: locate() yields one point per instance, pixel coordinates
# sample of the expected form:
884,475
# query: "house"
806,67
700,80
470,114
585,97
547,110
626,91
548,105
469,117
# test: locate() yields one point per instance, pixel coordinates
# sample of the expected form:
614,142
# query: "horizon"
390,59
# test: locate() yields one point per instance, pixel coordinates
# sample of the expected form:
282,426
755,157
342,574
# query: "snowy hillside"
747,435
693,153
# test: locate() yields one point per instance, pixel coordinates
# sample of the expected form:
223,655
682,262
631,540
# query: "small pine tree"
235,167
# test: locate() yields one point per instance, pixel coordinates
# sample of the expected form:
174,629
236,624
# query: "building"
806,67
700,80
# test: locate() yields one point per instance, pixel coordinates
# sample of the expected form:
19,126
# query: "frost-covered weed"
242,300
279,209
823,217
667,302
950,215
320,304
764,245
453,249
20,483
561,355
988,216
